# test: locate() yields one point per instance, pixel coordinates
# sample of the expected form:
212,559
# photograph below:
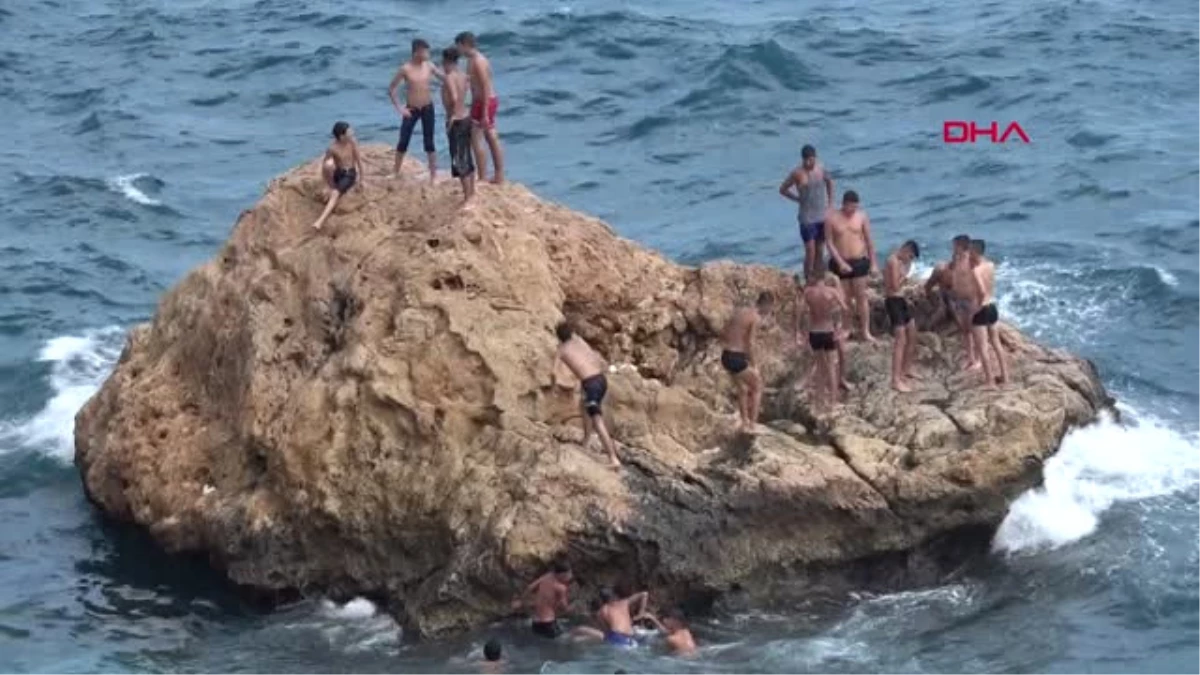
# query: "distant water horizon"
140,131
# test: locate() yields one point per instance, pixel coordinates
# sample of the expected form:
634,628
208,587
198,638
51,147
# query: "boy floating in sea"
417,74
617,614
483,106
737,357
341,169
679,639
822,301
458,124
984,320
587,365
904,329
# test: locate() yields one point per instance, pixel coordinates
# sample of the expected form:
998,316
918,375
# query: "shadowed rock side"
370,410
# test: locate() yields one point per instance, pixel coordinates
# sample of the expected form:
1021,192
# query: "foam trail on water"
1096,467
127,185
79,364
1166,277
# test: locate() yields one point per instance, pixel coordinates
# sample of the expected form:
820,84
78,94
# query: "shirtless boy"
617,614
962,296
852,255
458,125
587,365
679,638
810,186
983,321
737,357
341,169
418,76
839,341
549,593
483,106
904,329
822,301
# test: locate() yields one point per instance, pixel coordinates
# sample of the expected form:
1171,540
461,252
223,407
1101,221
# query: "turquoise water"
139,130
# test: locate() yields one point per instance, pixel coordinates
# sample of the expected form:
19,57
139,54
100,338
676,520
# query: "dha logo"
956,131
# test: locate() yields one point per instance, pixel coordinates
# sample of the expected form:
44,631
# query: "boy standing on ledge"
417,73
458,125
341,169
483,106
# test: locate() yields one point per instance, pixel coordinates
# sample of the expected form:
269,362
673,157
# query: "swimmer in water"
458,124
904,329
484,105
588,366
852,255
341,169
616,615
737,357
822,301
549,593
983,321
673,625
962,296
417,74
810,186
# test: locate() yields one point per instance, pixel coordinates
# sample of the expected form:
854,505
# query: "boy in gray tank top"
810,186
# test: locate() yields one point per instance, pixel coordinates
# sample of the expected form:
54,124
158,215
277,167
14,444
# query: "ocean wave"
131,186
1096,467
78,366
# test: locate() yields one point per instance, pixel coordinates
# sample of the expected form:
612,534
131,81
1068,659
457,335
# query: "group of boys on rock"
467,128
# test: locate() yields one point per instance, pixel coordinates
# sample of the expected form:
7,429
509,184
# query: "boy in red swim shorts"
483,107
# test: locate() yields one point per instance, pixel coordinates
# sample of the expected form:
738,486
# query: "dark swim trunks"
344,179
897,311
821,341
859,267
620,640
987,315
462,162
812,231
547,629
594,389
734,362
425,115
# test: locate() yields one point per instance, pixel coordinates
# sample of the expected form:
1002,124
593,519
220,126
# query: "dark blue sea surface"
137,130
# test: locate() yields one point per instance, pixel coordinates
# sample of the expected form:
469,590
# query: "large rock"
371,410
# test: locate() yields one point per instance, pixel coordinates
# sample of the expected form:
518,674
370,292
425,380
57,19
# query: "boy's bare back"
823,305
481,76
583,361
736,336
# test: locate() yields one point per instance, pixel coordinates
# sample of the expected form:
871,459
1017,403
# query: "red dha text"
956,131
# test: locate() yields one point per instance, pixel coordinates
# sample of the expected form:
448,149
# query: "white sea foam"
79,364
358,608
1166,277
127,186
1096,467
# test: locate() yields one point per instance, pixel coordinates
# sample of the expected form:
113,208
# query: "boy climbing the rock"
341,169
737,357
549,593
904,329
589,367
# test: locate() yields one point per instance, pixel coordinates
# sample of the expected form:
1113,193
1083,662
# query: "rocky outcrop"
371,410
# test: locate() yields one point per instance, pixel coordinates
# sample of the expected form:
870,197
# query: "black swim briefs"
462,161
594,389
859,267
822,341
546,629
897,311
987,315
344,179
734,362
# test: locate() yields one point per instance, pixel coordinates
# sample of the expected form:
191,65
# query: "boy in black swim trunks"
904,329
985,316
417,74
852,255
822,302
587,365
458,123
341,169
549,593
738,357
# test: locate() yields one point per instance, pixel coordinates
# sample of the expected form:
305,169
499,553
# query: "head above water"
910,250
808,154
450,57
607,595
342,130
674,620
562,571
849,202
420,50
563,331
492,651
465,41
978,247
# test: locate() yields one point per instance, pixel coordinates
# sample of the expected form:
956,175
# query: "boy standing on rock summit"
737,357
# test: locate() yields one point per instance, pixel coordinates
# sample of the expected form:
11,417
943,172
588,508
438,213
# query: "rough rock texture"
371,410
